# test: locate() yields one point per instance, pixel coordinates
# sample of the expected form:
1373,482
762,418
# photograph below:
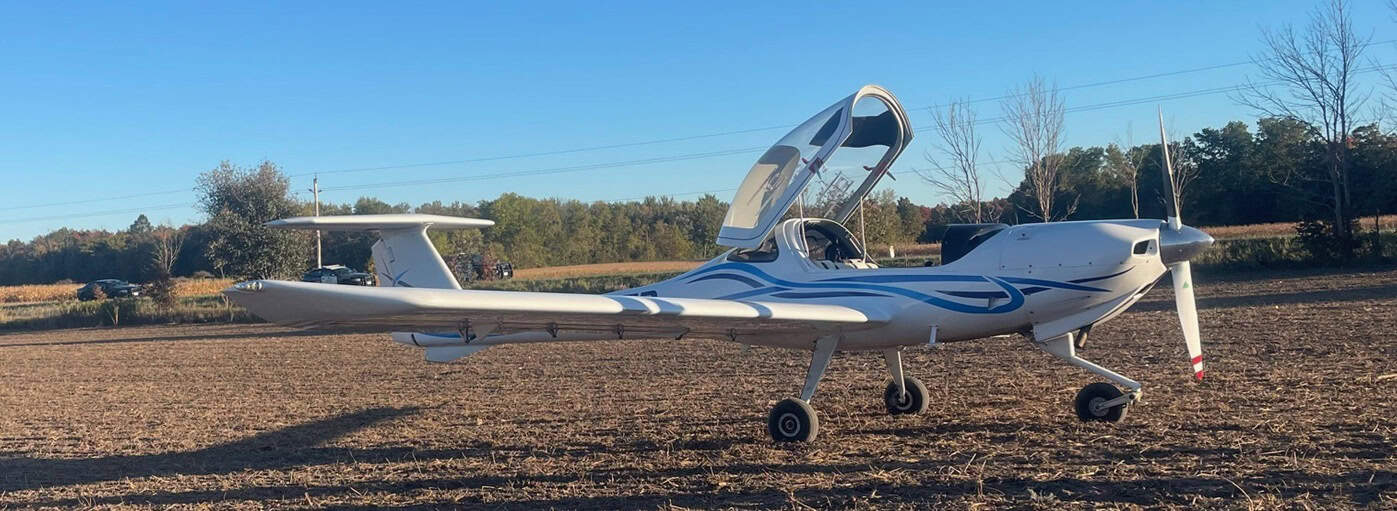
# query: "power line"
89,201
97,213
667,159
545,171
639,143
680,194
655,141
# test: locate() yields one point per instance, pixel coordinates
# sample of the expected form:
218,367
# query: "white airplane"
801,283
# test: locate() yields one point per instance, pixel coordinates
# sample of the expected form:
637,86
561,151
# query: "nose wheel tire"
1090,400
793,420
913,401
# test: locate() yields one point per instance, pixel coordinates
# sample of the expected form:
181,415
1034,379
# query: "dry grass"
200,287
584,270
1296,413
1388,223
908,250
59,292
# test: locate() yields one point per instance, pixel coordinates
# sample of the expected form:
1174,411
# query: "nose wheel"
1101,402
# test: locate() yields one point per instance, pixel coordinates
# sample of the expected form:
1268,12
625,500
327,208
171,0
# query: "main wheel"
793,420
913,401
1089,401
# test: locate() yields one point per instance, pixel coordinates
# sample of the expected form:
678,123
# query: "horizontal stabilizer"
378,222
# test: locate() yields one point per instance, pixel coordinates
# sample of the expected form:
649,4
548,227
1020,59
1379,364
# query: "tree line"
1231,178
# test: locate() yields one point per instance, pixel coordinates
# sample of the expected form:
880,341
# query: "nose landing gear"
1098,402
1095,403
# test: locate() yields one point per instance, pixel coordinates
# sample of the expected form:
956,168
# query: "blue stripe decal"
828,294
750,293
1016,298
728,276
1049,283
908,278
1104,277
975,294
1032,290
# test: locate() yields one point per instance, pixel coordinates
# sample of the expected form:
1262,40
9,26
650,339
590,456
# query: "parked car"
111,288
473,267
338,274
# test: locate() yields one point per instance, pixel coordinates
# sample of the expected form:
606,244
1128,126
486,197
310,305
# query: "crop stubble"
1294,413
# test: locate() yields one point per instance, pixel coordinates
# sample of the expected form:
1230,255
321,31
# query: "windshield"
844,150
774,174
859,163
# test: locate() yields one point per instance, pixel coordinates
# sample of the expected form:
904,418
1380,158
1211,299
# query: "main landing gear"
793,420
1101,402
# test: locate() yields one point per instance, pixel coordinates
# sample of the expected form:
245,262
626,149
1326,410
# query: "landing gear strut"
1098,401
793,420
905,395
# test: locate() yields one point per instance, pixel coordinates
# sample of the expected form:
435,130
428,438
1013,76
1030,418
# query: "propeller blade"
1188,314
1171,196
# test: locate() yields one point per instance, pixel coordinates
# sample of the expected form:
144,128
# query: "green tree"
141,226
238,201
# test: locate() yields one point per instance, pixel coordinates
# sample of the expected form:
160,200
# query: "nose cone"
1183,244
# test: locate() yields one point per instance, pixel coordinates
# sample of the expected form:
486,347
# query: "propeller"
1175,248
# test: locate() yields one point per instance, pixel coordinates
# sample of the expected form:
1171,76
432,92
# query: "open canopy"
845,149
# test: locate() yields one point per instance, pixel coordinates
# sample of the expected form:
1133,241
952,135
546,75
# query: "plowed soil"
1296,412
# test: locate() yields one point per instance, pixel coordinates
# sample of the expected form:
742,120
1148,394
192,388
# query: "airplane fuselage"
1039,279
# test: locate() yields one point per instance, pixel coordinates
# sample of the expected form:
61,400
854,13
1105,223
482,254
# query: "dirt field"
1297,412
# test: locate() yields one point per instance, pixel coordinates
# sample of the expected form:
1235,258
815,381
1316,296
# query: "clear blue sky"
100,100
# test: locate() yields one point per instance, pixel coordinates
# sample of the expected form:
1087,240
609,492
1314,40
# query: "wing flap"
316,305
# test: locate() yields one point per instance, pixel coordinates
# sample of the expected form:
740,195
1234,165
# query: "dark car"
337,274
473,267
111,288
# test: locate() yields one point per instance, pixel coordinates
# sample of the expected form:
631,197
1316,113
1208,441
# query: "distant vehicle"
111,288
338,274
473,267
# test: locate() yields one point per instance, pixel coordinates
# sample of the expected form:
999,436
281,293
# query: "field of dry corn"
58,292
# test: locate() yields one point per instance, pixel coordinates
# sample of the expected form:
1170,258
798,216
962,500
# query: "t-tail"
404,256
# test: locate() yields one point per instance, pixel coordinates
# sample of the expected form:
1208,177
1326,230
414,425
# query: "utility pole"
315,192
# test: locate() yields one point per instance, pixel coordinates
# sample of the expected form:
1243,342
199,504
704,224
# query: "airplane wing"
561,315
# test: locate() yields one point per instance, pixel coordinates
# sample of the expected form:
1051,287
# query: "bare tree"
168,242
1033,122
953,158
1185,164
1126,162
1310,78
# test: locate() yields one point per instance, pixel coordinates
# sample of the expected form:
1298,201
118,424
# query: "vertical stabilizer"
406,258
403,256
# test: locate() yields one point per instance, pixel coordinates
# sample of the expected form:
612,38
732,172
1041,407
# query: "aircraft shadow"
288,447
174,338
